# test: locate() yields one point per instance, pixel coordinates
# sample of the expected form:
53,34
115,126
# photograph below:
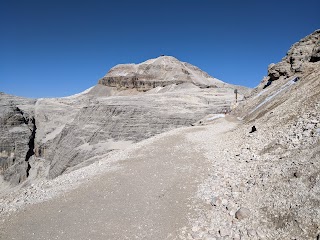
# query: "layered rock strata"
161,71
17,134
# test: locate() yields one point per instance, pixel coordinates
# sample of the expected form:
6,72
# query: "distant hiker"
253,129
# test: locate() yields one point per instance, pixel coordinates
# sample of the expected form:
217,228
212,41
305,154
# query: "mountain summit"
161,71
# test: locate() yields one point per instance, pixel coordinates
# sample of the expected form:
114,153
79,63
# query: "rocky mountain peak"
163,60
161,71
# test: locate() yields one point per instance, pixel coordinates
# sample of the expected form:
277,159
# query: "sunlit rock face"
299,56
51,136
161,71
17,132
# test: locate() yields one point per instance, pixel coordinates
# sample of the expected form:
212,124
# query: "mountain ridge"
161,71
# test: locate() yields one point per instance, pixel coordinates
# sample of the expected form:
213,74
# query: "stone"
232,212
215,201
261,234
253,129
224,232
251,232
275,71
224,202
242,213
195,228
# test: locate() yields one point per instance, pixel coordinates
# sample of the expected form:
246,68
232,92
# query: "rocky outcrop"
300,62
315,55
17,132
306,51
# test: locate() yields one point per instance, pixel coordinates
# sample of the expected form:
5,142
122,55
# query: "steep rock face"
108,123
297,58
17,133
283,77
161,71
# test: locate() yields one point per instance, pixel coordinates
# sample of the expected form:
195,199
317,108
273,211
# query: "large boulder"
315,56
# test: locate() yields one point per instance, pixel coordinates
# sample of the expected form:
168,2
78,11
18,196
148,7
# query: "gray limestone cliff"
17,134
300,62
306,51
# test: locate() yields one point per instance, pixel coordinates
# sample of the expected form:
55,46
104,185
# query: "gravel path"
148,195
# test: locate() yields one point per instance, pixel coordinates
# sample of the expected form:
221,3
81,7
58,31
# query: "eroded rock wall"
297,59
17,133
106,123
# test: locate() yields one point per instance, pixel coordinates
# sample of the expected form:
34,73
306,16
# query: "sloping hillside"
57,135
265,177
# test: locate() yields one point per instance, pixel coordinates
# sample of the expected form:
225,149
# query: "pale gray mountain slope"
63,134
271,175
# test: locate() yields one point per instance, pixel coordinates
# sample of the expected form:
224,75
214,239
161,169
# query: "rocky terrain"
265,177
184,169
62,134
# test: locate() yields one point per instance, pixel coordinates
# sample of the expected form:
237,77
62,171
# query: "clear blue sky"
51,48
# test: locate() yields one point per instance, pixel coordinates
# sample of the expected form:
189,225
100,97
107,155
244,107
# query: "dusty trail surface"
147,197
